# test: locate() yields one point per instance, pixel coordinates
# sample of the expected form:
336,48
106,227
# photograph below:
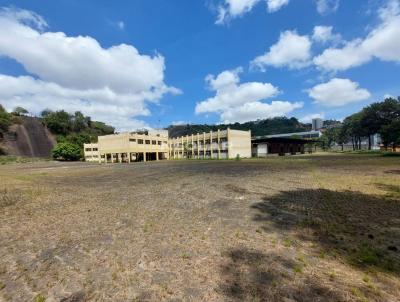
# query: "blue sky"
156,62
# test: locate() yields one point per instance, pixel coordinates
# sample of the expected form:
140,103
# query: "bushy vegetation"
5,119
380,117
74,128
72,131
67,151
258,128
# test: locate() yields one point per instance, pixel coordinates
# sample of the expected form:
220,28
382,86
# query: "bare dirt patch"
305,228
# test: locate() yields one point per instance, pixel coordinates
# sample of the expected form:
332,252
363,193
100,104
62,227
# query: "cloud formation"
338,92
76,73
236,102
382,43
325,7
275,5
309,117
231,9
292,51
324,34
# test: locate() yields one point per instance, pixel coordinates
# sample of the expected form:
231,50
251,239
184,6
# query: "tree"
66,151
388,115
20,111
354,129
390,133
58,122
101,128
79,122
5,119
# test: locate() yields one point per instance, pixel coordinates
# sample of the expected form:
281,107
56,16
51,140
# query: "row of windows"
90,149
147,142
189,146
93,156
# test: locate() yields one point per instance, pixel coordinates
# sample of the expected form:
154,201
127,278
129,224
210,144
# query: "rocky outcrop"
30,138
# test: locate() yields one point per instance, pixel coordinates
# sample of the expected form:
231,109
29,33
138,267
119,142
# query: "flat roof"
312,132
282,140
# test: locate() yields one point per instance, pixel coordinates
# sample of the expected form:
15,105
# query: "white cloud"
325,7
257,110
381,43
75,73
292,51
121,25
234,8
389,96
309,117
236,102
275,5
26,17
323,34
231,9
338,92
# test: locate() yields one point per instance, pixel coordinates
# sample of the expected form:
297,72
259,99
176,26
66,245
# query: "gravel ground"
305,228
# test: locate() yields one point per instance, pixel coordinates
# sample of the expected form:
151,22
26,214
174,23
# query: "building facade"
128,147
215,144
317,124
155,145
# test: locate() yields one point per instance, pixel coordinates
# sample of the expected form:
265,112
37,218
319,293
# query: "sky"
152,63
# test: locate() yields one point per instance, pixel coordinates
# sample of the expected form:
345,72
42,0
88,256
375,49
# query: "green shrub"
66,151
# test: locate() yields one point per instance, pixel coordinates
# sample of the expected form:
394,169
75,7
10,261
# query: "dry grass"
305,228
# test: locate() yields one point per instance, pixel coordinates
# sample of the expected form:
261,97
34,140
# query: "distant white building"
317,124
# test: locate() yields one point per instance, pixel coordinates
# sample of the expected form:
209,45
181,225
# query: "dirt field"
303,228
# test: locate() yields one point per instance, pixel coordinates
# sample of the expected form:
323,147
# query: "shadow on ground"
363,230
250,275
359,230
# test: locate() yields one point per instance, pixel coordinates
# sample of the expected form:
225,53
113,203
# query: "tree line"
258,128
381,118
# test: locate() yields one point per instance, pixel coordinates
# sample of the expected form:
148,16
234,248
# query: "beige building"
155,145
215,144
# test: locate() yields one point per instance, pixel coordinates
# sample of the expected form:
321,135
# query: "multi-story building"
317,124
155,145
127,147
215,144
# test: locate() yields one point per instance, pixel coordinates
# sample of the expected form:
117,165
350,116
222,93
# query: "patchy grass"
11,159
321,227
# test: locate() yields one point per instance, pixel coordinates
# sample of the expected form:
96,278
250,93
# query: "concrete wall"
239,143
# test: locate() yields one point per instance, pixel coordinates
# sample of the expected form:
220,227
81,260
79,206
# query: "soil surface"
303,228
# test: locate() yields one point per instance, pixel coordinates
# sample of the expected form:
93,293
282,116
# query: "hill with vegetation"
258,128
23,135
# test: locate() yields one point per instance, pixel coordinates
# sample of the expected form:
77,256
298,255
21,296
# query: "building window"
95,149
140,141
88,149
159,143
154,142
147,142
132,140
